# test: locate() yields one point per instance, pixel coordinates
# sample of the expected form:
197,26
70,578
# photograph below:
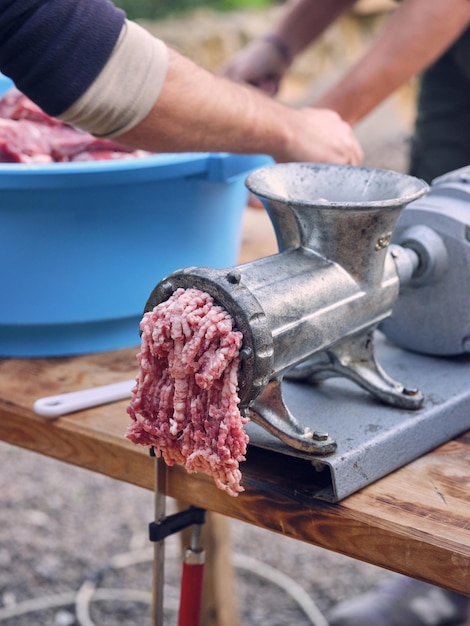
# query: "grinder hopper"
335,282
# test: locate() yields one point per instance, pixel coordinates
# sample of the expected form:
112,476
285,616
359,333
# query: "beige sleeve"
126,88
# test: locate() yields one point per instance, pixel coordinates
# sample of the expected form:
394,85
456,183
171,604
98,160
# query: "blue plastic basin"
83,244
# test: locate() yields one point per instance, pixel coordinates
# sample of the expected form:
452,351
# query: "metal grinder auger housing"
343,268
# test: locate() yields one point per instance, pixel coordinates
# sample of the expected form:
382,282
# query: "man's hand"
319,135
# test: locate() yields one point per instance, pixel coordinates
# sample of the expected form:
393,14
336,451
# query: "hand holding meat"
320,135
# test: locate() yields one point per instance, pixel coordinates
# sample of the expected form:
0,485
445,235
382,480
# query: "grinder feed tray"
374,439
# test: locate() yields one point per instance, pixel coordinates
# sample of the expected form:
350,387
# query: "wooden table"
415,521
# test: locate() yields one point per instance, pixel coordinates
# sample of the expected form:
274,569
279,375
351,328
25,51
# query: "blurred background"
156,9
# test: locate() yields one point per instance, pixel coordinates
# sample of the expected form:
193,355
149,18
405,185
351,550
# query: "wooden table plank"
415,521
427,541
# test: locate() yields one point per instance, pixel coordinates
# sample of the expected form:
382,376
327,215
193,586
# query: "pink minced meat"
185,402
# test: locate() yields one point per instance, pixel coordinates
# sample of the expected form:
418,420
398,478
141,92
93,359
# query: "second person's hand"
260,64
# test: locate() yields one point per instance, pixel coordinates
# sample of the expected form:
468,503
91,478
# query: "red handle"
191,594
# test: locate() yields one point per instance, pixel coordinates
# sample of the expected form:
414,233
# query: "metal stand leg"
159,547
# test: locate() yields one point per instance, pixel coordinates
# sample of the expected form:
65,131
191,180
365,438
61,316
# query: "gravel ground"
65,530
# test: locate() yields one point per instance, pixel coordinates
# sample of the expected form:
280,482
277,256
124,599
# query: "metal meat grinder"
351,261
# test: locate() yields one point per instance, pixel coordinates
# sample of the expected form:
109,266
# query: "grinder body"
288,306
310,310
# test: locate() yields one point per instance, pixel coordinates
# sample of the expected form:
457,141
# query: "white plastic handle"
54,406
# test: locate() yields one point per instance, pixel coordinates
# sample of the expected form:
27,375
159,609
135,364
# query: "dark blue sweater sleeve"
54,49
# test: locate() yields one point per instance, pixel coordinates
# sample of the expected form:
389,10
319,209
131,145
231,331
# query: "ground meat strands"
185,402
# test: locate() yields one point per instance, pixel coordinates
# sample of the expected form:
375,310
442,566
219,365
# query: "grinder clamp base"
373,439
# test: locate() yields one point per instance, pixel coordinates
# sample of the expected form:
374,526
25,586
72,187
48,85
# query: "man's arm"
197,111
417,33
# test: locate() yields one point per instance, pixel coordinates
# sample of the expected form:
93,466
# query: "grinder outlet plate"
374,439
